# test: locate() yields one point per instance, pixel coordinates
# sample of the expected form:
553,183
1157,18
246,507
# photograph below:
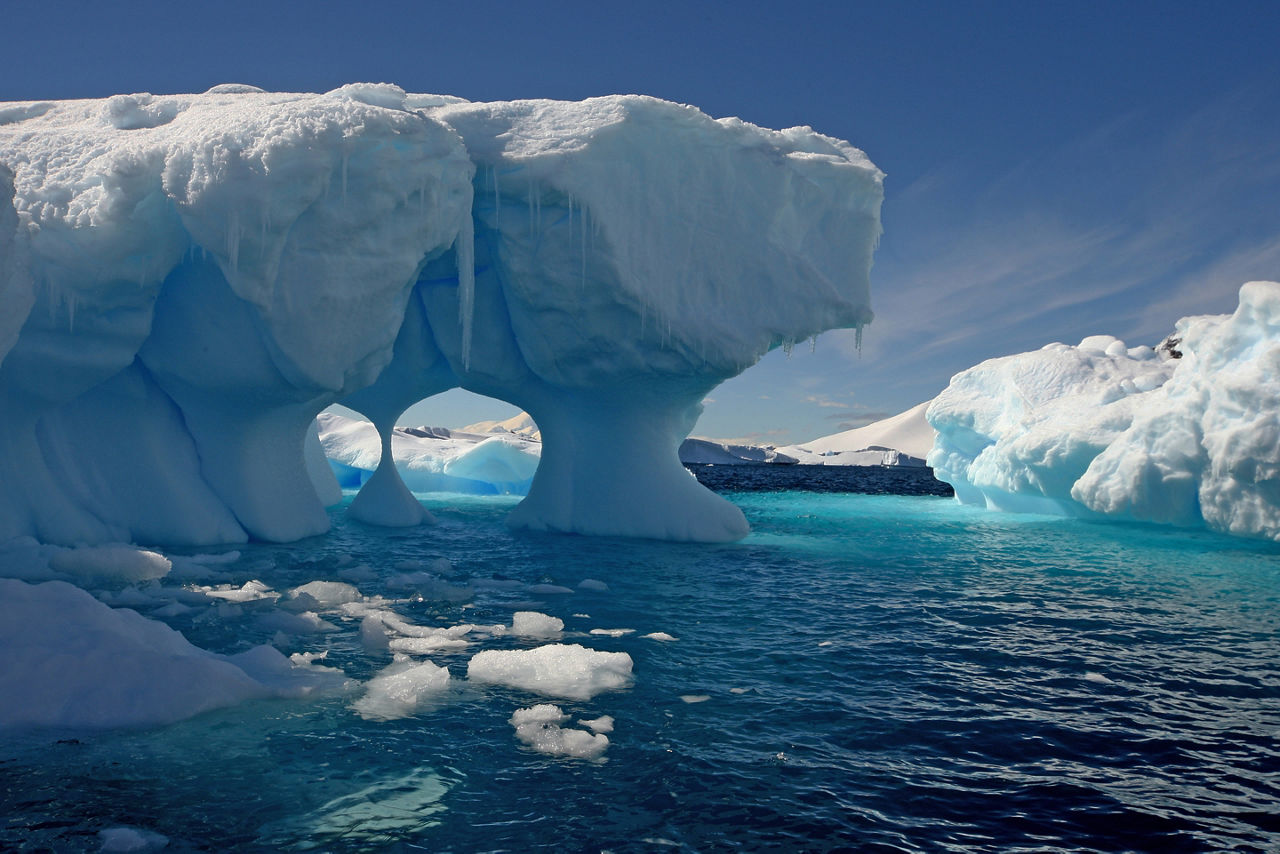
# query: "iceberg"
187,280
1187,434
430,459
540,728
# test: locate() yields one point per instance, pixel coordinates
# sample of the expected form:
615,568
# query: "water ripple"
882,673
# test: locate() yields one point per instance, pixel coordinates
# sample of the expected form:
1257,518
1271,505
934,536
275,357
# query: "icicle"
233,240
787,347
857,339
497,196
813,343
465,252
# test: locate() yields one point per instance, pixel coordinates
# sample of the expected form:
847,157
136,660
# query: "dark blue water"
881,673
862,480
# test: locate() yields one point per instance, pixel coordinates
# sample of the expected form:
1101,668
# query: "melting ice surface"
888,670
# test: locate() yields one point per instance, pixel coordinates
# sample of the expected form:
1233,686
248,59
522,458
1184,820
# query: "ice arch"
187,280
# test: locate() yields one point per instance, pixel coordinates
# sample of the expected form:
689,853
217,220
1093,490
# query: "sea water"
864,672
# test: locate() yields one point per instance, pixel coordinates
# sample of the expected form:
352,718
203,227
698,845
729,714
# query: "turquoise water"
880,672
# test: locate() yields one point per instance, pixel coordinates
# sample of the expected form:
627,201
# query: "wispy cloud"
826,402
1120,231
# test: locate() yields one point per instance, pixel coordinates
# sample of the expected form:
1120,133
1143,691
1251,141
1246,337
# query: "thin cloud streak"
1031,266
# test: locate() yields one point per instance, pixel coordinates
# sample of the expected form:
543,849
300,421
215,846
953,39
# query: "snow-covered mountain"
904,439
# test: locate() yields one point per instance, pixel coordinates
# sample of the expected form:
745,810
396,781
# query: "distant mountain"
904,439
521,424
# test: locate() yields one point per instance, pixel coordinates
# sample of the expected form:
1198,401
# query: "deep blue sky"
1054,169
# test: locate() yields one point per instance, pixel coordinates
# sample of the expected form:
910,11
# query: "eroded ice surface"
187,280
1102,428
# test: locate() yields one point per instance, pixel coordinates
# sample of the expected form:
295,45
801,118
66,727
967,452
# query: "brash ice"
188,280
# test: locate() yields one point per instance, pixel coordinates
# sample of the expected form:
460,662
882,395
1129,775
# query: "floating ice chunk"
114,562
540,728
253,593
695,698
131,839
71,661
604,723
401,689
321,596
557,670
438,642
613,633
368,605
531,624
403,627
659,636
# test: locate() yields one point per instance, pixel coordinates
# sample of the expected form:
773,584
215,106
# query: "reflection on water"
374,816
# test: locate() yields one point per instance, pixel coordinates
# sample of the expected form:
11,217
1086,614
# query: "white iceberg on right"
1133,433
